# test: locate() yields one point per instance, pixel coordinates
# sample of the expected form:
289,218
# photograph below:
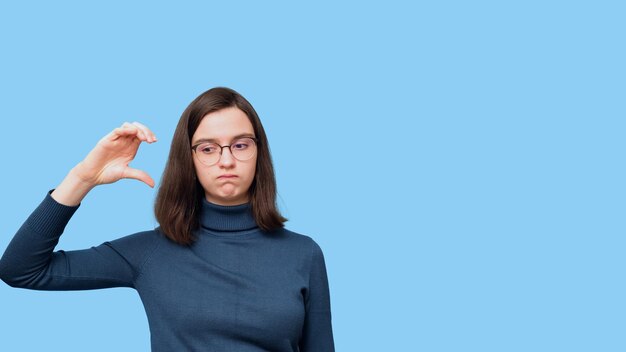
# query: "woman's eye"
241,146
208,149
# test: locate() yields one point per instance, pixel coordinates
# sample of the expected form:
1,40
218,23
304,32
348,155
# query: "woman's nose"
227,157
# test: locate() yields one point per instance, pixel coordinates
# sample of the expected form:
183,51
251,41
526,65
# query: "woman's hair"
179,199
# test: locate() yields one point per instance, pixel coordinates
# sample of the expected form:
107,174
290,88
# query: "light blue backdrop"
460,163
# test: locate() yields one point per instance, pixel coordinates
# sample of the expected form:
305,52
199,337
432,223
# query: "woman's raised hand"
108,160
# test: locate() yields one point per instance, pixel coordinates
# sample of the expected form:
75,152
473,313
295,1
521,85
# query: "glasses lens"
243,149
208,153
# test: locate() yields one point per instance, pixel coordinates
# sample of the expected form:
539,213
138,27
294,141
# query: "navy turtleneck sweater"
237,288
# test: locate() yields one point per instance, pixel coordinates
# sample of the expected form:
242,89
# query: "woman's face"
223,126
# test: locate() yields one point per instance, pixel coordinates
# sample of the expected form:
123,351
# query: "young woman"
220,273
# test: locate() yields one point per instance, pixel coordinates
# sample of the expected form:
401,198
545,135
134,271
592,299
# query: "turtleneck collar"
226,217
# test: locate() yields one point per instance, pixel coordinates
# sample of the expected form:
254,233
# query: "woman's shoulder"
307,247
139,238
298,238
138,244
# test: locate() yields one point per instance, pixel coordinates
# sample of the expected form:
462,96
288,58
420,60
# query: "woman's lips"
227,176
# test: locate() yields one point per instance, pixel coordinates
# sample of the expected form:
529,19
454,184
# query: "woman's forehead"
223,126
201,139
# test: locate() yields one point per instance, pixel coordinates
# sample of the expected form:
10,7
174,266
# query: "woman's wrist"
72,189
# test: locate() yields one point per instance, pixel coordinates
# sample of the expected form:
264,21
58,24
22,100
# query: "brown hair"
179,199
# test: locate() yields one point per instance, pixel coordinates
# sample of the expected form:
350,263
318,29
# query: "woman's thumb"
140,175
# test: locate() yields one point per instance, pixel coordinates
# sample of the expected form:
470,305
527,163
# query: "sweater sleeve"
317,333
29,261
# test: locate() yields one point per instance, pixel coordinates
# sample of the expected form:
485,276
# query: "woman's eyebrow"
202,140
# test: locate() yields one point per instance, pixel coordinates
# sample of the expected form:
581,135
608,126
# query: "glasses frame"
195,152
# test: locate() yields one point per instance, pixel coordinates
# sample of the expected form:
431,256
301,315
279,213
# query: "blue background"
460,163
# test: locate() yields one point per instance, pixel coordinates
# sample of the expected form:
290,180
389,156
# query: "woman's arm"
317,333
29,260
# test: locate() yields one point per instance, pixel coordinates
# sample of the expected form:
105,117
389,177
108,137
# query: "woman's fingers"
108,161
142,132
151,137
140,175
122,132
137,130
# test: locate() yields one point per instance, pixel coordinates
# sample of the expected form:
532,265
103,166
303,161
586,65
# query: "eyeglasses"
209,153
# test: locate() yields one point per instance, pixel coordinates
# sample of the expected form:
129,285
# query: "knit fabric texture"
237,288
